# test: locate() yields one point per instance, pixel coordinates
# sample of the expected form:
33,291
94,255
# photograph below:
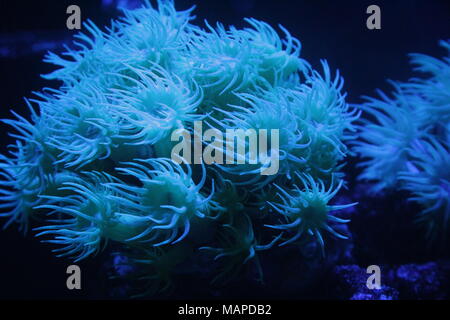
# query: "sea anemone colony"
405,140
91,168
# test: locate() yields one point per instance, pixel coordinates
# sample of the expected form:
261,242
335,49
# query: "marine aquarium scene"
190,150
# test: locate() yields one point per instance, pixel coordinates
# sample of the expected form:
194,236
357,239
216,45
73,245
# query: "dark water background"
335,30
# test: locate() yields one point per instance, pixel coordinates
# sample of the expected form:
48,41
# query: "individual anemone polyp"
306,211
91,169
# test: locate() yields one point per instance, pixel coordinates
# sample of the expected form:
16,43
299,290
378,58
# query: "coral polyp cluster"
92,168
405,140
